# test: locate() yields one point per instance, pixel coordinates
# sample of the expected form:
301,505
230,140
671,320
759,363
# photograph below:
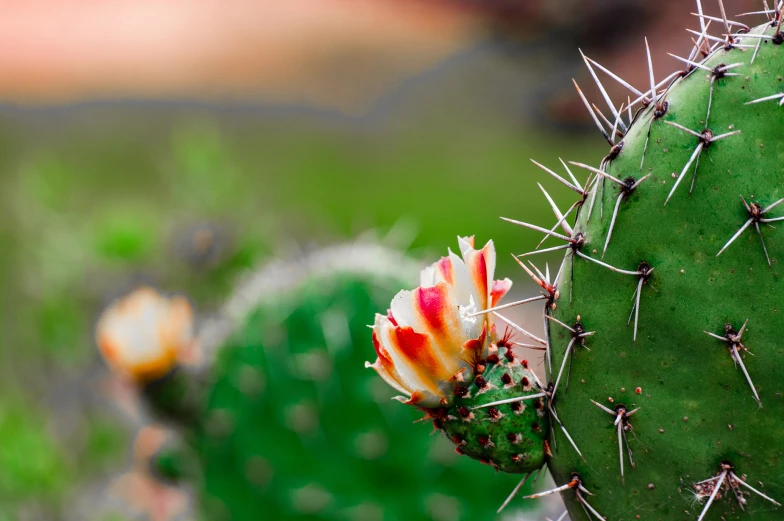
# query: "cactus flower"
143,334
432,336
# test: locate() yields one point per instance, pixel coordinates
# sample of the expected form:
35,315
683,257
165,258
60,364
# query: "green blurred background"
187,186
91,209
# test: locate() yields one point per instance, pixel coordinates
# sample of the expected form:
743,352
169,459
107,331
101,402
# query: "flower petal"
444,272
434,311
439,313
395,366
441,271
481,267
415,359
462,282
499,289
423,400
474,348
382,371
384,364
468,240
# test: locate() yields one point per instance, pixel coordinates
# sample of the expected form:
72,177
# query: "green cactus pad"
697,408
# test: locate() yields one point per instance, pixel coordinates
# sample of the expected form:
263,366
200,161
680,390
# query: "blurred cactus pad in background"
282,423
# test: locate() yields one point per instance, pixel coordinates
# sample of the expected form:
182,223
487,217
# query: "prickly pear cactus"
282,425
700,285
652,407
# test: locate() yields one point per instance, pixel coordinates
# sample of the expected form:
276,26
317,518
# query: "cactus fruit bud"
142,334
500,418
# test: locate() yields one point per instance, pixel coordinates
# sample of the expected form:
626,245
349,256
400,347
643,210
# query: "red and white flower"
144,335
432,337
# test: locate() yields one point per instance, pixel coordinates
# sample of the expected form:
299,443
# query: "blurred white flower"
145,334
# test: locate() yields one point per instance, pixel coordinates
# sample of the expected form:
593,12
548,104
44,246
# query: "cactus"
280,424
653,408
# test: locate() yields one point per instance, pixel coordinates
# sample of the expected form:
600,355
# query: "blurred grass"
97,199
